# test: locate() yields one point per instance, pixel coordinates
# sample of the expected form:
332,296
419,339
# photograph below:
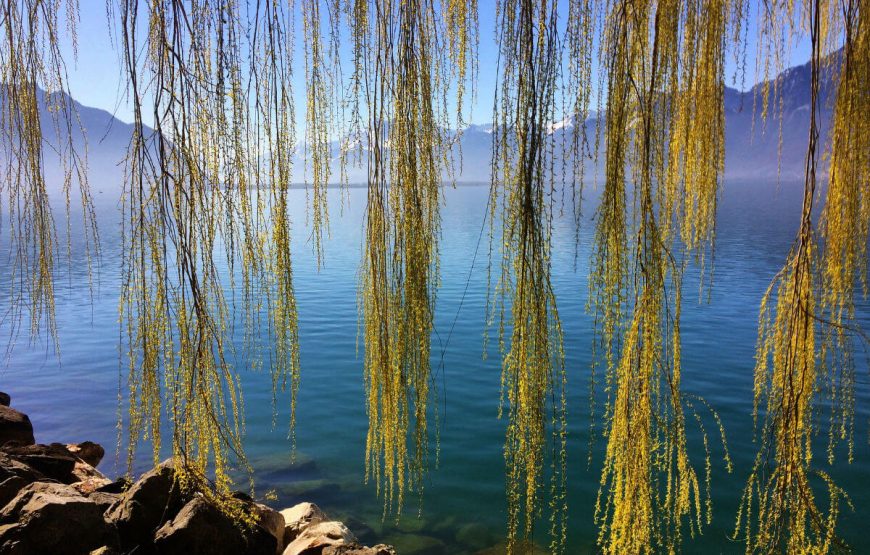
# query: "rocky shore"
54,500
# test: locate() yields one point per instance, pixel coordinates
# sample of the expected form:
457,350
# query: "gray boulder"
120,485
11,467
52,518
15,426
14,475
88,479
103,500
10,487
317,537
53,461
56,462
272,521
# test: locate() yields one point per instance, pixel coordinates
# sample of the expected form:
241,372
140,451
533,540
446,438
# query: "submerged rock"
53,518
201,528
357,549
310,489
360,528
15,427
413,524
416,544
279,471
475,536
522,546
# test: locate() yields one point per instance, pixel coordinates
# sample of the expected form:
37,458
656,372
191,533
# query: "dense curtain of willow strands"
31,57
664,134
533,378
213,176
406,73
805,328
196,186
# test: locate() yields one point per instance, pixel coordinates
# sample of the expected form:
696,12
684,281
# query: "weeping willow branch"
318,115
845,222
196,187
35,105
664,133
406,73
533,374
804,340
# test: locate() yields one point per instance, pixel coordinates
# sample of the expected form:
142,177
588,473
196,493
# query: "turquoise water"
463,507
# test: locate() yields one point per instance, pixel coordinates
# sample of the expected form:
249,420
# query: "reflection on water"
463,506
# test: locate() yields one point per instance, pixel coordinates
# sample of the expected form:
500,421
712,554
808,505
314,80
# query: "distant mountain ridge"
752,143
752,146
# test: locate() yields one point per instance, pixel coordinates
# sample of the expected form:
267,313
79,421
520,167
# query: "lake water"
463,506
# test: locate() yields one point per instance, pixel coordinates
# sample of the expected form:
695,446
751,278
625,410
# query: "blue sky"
95,77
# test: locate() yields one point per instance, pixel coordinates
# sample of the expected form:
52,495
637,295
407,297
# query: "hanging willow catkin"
318,116
405,73
845,221
197,185
39,127
533,377
806,323
664,133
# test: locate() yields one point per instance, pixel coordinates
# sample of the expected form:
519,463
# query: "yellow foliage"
664,136
196,187
533,380
30,59
805,327
404,72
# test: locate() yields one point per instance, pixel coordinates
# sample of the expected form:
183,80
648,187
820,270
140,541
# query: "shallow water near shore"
463,506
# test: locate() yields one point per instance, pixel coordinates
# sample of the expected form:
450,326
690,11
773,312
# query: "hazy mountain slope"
752,148
96,133
752,145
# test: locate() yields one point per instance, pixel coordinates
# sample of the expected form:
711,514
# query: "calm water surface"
463,507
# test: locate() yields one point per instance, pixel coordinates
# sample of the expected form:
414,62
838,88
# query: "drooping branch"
664,133
805,332
406,73
533,377
198,185
39,128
